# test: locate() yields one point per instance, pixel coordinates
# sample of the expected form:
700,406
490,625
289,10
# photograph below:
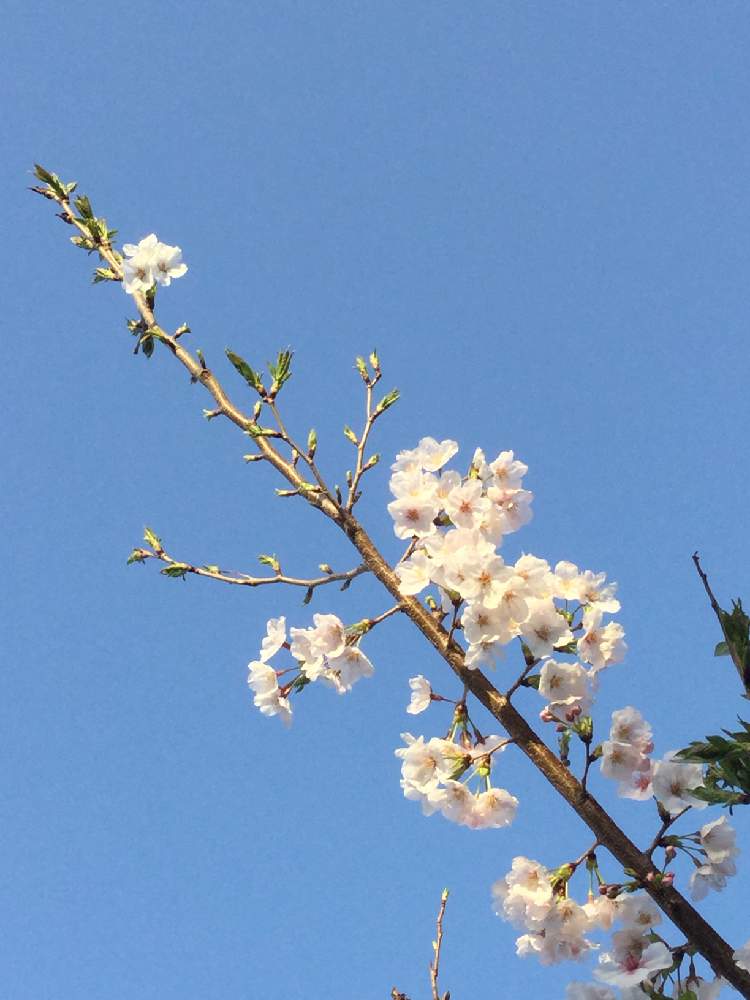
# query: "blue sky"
538,213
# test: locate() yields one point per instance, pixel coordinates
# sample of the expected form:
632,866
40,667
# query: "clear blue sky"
538,213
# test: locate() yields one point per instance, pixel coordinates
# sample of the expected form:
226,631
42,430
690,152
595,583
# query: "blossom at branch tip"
710,876
274,639
566,686
673,781
414,573
601,646
263,681
150,262
421,695
633,959
718,840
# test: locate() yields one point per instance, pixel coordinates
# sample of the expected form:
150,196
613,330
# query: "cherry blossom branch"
701,935
436,945
177,567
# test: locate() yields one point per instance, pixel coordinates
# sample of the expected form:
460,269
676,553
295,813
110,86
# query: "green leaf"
249,374
387,401
83,205
271,561
177,571
152,539
312,444
722,649
136,556
104,274
281,370
43,175
350,435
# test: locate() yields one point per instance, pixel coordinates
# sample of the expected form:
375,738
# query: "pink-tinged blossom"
567,581
673,780
601,645
347,668
601,911
421,695
632,960
484,654
493,808
274,639
537,576
544,628
429,454
507,471
263,681
413,517
638,786
514,507
565,685
465,505
414,573
592,590
711,876
637,910
620,760
481,624
718,840
629,726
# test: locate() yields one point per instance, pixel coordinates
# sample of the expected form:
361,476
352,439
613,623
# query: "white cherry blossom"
718,840
544,628
414,573
672,782
274,639
633,959
263,681
421,695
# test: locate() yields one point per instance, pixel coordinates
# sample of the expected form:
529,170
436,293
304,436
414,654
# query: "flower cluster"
717,846
149,263
430,774
555,924
326,651
456,524
536,899
625,755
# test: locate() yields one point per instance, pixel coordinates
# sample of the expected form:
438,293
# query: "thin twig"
436,945
666,823
370,418
244,579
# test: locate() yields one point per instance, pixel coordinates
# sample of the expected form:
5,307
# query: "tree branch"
244,579
711,945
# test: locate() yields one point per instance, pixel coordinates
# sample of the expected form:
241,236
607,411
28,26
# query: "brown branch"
708,942
244,579
436,945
